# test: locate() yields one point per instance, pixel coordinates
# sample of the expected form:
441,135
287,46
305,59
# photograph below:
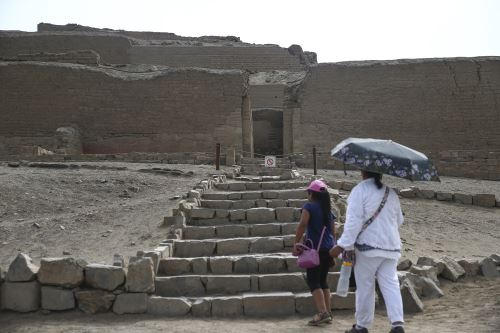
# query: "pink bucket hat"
316,186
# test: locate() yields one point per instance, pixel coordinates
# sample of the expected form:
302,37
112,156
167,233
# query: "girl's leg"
319,300
326,297
365,270
388,282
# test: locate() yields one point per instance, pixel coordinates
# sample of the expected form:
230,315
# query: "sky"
336,30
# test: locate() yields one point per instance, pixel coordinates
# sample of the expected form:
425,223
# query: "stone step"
252,203
206,285
251,216
232,246
239,230
255,186
246,304
297,193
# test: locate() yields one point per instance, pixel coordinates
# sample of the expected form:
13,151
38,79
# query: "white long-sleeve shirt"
383,233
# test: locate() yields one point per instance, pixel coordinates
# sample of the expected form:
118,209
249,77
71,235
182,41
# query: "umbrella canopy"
385,156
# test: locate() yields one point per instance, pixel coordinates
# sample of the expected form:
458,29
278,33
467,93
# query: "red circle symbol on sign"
270,161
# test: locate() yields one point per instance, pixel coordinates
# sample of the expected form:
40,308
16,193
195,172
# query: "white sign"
270,161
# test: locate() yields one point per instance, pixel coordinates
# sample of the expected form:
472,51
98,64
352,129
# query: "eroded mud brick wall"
448,108
116,112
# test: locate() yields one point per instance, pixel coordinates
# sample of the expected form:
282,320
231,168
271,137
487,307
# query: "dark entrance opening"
267,131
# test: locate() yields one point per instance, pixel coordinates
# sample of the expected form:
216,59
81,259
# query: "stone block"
263,230
484,200
411,302
429,288
94,301
118,260
291,265
246,265
174,266
332,279
237,215
465,199
488,268
251,195
336,184
22,269
64,272
253,186
199,266
227,284
444,196
282,282
404,265
293,194
202,213
425,271
221,213
177,286
168,306
237,187
230,306
243,204
428,261
232,231
234,196
347,186
269,305
343,303
285,214
270,194
221,265
57,299
495,257
199,232
276,203
267,245
20,296
296,214
426,194
131,303
194,248
194,194
232,246
408,193
470,266
256,215
164,251
216,204
304,304
271,264
289,228
222,186
270,186
141,276
202,307
288,241
215,196
296,203
104,276
452,270
261,203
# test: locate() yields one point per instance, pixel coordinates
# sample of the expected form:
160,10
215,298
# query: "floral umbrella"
385,156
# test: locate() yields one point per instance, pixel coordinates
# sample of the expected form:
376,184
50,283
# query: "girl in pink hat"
317,220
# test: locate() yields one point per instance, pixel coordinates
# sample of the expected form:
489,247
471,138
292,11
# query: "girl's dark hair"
377,177
323,198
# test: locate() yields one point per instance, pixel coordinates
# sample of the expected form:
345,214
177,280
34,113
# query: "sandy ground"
80,212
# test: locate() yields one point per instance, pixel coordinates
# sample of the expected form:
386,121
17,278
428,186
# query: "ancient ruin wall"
117,112
447,108
111,49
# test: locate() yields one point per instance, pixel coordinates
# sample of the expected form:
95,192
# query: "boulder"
230,306
22,269
428,261
425,271
429,288
130,303
470,266
63,272
404,265
20,296
484,200
140,276
489,268
266,305
495,257
57,299
94,301
411,302
452,270
168,306
104,276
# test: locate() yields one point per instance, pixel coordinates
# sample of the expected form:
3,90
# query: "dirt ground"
80,211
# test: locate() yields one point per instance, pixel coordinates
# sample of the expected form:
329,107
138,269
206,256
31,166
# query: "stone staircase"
255,166
234,255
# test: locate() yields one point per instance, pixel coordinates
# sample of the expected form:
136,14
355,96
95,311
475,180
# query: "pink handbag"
309,258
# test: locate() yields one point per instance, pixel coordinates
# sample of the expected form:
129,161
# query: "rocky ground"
86,213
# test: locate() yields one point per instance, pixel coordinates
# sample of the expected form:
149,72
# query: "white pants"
384,270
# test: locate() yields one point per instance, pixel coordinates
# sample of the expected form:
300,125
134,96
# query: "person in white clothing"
377,250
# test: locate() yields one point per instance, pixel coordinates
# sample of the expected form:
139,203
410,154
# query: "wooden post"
217,156
314,161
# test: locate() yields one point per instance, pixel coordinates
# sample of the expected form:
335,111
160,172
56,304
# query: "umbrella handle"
345,172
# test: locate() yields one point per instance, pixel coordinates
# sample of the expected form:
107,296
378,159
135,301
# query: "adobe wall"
447,108
118,112
111,49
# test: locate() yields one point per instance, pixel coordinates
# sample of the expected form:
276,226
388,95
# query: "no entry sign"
270,161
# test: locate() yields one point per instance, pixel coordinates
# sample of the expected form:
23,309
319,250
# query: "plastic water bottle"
345,274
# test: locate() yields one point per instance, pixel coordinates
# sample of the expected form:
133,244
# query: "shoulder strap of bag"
377,212
321,238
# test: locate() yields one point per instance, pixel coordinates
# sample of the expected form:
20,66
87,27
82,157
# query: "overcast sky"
335,30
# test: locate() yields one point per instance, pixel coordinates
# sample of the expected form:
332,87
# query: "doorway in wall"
267,131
